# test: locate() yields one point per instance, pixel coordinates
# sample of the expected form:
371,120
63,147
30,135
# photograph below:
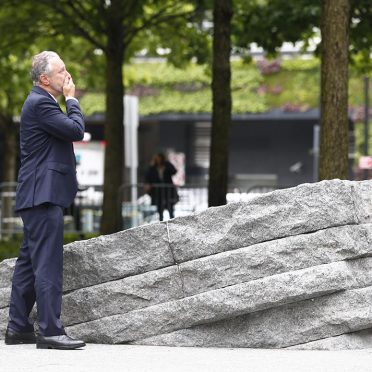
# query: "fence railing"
139,205
142,204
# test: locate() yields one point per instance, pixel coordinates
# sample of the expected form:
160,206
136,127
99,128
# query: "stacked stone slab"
287,269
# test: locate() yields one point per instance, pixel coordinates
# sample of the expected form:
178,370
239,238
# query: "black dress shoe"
13,337
63,342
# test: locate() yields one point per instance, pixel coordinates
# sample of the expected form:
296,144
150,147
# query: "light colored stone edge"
219,304
260,260
288,325
6,268
136,286
347,341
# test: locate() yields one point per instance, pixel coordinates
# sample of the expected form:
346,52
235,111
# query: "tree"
299,21
112,27
13,76
334,90
14,88
221,105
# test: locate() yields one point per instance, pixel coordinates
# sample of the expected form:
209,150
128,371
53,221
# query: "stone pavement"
130,358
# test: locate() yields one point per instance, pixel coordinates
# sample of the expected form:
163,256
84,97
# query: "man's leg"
45,239
160,211
22,297
170,208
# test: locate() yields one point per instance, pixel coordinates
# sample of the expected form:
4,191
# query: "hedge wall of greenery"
291,84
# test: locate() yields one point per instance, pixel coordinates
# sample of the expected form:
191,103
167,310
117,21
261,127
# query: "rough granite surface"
287,269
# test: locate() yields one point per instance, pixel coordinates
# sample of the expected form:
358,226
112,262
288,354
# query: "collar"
53,97
43,92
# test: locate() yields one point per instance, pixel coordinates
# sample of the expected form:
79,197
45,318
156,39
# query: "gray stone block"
217,271
121,296
116,256
362,192
218,304
347,341
302,209
272,272
280,327
108,257
4,297
276,256
3,321
6,272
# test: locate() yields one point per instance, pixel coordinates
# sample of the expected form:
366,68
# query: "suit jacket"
48,165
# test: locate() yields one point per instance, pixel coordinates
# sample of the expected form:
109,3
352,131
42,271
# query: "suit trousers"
38,274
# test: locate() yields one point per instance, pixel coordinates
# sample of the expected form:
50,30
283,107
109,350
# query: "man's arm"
171,168
68,127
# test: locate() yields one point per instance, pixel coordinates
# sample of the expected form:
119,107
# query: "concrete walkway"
107,358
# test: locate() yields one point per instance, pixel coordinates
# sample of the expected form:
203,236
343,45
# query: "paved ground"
107,358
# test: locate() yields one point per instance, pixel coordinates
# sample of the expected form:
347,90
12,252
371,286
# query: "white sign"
89,162
365,162
178,160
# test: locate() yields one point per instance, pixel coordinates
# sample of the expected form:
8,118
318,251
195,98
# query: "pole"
131,120
366,121
316,145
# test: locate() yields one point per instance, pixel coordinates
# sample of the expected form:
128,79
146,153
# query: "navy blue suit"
46,184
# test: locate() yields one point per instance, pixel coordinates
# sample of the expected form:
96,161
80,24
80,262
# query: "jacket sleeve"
52,120
171,168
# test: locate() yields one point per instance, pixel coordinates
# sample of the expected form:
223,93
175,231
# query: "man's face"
56,77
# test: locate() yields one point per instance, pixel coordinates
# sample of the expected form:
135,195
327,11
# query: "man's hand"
68,87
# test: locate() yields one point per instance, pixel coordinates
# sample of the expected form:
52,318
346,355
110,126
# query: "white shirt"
67,98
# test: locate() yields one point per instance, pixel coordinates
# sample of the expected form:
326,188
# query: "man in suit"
46,184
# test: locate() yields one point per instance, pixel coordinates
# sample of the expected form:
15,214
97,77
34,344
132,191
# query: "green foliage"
298,83
295,65
164,74
15,82
361,35
270,23
165,88
10,247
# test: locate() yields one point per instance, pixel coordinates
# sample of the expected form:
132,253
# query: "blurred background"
241,97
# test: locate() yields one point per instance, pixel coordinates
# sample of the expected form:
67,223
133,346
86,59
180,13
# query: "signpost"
131,141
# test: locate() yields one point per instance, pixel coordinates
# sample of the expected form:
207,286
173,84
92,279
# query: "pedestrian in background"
159,185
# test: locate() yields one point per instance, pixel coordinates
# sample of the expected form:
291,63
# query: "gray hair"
41,65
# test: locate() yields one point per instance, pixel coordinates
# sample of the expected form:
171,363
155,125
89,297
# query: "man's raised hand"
68,87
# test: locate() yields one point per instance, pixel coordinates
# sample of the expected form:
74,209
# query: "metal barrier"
82,217
9,222
139,205
142,204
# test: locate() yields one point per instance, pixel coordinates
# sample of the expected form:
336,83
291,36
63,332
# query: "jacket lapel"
43,92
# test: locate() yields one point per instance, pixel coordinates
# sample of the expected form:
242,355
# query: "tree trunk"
334,90
114,132
221,111
9,171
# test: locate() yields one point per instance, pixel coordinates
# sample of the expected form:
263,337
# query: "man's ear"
44,80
